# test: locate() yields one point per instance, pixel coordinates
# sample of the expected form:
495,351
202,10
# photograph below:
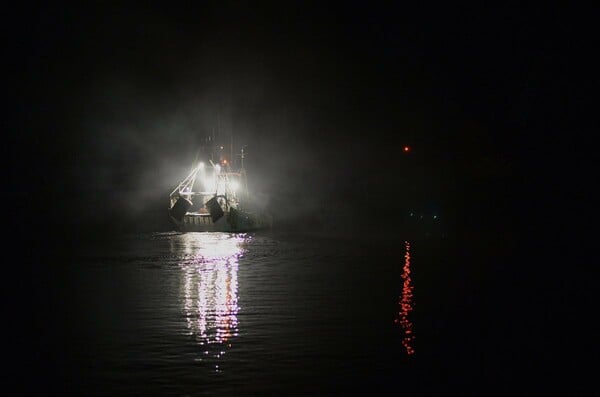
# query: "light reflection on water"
210,290
164,314
406,305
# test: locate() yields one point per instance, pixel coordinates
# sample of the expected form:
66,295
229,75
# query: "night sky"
107,107
111,103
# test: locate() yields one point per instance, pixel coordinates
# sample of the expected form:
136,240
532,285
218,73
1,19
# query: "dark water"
218,313
278,314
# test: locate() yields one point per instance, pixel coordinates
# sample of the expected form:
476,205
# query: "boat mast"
185,187
243,174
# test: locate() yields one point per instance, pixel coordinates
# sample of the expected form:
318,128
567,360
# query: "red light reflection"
406,304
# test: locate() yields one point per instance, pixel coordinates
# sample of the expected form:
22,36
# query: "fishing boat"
215,198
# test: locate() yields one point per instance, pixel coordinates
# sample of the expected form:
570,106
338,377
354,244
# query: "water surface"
255,314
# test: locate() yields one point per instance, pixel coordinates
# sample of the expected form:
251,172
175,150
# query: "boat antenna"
242,156
243,172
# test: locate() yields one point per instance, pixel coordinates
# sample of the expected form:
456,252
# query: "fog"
117,102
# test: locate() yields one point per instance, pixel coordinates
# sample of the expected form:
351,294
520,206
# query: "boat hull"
241,222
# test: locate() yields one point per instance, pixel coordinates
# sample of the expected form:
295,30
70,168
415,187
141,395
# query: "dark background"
109,104
106,106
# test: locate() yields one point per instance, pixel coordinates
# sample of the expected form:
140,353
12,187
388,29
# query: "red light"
406,148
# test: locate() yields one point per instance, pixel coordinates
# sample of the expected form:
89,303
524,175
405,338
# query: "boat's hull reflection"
210,289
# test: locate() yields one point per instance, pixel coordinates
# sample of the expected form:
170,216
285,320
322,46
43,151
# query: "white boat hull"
245,222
